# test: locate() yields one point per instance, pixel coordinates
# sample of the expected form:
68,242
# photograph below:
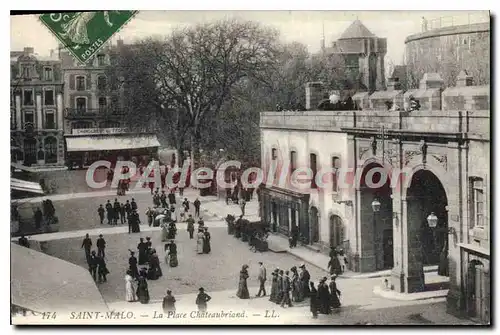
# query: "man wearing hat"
202,299
101,245
262,280
287,286
304,278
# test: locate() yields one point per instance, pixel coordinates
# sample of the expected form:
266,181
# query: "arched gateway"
376,219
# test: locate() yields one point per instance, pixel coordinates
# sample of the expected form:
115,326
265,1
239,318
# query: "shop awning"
25,186
99,143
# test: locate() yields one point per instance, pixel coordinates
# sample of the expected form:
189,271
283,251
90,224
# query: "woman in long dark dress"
142,247
274,287
314,301
323,297
334,294
206,242
172,231
171,254
142,288
242,286
154,271
334,264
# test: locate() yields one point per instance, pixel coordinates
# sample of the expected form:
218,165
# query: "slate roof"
356,30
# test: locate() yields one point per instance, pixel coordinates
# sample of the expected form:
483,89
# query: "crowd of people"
294,286
96,261
120,212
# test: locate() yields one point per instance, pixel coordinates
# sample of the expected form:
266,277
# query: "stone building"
36,109
95,127
362,57
433,204
447,50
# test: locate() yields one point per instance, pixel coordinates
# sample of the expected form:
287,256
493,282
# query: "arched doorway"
477,291
314,219
336,231
29,151
50,145
377,251
426,195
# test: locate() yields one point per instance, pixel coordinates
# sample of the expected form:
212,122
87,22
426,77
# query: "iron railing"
457,20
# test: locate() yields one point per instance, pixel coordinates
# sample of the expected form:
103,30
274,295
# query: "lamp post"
376,209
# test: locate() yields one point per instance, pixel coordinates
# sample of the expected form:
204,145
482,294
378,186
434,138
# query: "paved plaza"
217,272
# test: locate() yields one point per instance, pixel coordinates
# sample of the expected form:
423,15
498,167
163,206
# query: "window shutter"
89,82
72,81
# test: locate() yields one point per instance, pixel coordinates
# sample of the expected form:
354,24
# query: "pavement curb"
392,295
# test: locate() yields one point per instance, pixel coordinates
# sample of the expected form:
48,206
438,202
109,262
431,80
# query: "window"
477,213
47,73
29,117
102,104
50,150
50,120
80,83
28,97
293,161
26,69
335,169
274,154
81,105
314,168
49,97
101,60
101,83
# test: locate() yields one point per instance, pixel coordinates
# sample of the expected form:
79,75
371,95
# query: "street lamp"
432,220
376,208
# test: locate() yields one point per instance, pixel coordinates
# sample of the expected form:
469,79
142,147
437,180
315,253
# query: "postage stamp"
84,33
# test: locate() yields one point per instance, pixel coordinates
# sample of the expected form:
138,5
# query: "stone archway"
376,229
424,196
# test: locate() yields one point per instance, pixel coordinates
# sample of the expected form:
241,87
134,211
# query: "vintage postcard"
250,168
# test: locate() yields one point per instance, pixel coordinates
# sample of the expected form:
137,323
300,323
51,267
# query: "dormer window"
47,73
26,70
101,60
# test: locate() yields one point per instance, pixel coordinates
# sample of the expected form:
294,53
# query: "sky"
302,26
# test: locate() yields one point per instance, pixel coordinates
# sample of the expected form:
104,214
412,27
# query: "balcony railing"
82,113
457,20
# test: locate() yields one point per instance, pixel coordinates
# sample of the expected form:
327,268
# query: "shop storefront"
281,209
86,146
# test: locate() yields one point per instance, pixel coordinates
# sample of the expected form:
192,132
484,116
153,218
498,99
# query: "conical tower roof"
356,30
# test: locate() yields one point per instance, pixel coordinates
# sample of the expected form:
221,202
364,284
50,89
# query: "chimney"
430,81
464,79
119,43
52,53
314,94
29,50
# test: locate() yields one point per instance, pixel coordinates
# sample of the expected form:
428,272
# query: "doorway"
336,231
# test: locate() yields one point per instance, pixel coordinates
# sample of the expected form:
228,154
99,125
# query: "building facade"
437,163
36,104
95,124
